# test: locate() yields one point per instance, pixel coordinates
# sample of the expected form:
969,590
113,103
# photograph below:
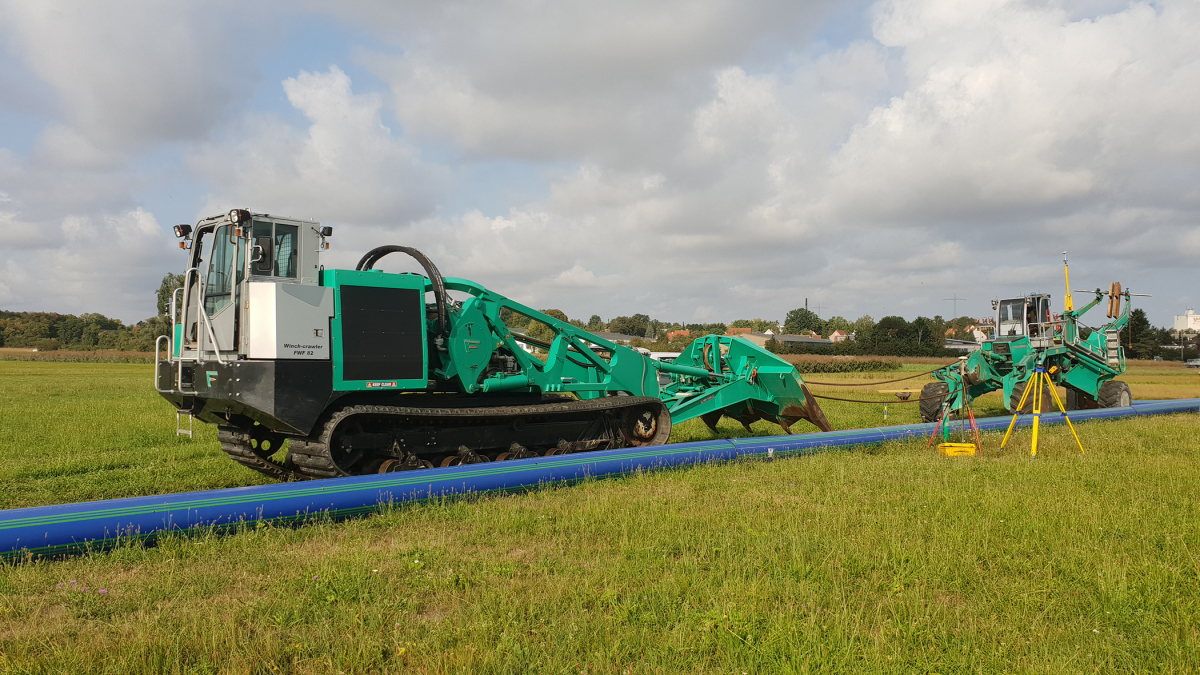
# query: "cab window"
1012,318
220,276
276,249
286,248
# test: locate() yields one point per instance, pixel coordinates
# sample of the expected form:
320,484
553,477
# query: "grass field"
883,559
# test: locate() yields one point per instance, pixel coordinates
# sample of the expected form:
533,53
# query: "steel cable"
945,396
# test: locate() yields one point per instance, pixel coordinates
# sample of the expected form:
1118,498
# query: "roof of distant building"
794,339
613,337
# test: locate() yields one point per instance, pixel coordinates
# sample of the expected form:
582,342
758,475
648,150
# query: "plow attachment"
741,381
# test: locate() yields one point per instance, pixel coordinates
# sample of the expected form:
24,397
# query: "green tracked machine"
1027,337
363,371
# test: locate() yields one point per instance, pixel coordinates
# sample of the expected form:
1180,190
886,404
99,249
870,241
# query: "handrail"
175,305
187,276
202,314
170,350
212,336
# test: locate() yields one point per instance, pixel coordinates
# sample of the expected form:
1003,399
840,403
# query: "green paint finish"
1004,363
336,279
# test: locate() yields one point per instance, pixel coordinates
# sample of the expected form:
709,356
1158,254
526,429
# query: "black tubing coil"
435,277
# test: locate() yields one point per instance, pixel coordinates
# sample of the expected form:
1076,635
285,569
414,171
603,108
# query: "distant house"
738,331
671,335
760,339
524,345
962,345
839,336
969,329
619,338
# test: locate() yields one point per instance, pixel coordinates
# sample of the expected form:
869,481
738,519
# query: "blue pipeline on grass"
49,530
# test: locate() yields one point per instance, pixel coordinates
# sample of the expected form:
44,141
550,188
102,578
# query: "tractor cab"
243,269
1028,316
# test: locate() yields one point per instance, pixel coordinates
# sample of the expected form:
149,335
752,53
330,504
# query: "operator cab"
242,267
1027,316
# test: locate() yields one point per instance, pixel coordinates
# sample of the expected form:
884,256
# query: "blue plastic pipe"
51,530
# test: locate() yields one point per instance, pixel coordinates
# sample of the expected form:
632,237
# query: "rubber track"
311,455
236,443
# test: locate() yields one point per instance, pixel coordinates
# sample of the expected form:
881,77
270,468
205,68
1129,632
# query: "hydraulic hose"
435,277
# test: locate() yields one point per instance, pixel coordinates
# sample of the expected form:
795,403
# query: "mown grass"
890,559
881,559
83,431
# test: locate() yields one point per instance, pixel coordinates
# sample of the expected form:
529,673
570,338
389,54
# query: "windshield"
1012,317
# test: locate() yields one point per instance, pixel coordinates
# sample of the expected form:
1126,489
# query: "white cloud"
347,166
133,73
102,264
686,160
536,80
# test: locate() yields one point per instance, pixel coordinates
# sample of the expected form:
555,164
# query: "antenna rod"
1068,301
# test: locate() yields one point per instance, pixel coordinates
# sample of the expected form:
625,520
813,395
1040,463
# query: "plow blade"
744,382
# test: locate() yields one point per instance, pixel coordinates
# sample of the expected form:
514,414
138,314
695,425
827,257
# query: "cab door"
222,289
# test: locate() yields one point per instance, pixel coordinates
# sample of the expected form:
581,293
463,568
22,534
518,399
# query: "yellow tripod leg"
1037,410
1013,423
1063,409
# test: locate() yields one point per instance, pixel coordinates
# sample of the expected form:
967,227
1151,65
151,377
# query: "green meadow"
887,558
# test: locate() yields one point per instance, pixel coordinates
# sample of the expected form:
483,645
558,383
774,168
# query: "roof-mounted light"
182,231
238,216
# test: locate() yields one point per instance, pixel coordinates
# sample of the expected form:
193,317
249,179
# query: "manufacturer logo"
210,376
378,385
318,332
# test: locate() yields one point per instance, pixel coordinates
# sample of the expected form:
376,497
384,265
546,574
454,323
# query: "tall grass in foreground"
883,559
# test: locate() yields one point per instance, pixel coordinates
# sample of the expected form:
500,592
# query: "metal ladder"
1113,347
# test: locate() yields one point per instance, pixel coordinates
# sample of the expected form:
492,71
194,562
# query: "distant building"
1189,320
840,336
738,331
760,339
671,335
619,338
962,345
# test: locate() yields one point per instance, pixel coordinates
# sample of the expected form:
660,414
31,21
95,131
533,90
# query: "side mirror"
326,231
261,255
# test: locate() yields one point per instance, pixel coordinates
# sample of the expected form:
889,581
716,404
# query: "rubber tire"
931,407
1018,390
1114,394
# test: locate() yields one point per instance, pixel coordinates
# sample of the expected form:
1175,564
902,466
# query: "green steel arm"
714,375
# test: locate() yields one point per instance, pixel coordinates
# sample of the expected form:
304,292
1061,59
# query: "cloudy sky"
699,160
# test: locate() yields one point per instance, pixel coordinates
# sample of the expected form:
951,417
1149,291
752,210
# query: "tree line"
890,336
48,331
